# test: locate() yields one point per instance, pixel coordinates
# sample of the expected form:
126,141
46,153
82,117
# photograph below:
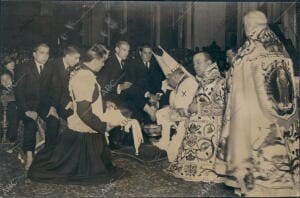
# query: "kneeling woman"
81,155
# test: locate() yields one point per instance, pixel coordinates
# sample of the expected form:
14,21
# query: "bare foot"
29,159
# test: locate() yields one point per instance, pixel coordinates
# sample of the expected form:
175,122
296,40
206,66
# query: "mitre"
167,63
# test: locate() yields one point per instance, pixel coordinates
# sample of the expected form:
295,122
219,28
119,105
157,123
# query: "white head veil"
254,20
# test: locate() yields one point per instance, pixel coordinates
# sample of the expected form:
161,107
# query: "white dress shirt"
120,61
39,67
147,64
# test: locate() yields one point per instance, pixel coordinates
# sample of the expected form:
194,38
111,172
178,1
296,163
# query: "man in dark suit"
146,77
111,78
60,98
33,80
117,86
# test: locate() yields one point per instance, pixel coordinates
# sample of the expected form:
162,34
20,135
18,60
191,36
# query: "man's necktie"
41,68
147,65
122,64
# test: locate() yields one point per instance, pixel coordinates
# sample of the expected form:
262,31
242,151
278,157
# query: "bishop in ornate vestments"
261,120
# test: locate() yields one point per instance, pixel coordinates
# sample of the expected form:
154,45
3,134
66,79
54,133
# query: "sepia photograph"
149,98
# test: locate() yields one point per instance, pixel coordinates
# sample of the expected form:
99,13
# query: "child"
8,101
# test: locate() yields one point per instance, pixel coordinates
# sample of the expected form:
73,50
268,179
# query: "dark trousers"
29,136
117,137
13,122
135,100
136,95
52,130
30,129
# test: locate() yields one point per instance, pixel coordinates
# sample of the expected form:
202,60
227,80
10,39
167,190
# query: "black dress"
81,155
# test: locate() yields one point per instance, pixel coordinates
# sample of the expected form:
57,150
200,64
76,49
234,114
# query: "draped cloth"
200,155
261,119
115,117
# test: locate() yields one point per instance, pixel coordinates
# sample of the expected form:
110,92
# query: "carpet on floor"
148,155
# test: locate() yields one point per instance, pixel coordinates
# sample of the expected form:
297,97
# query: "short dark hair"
6,60
119,43
71,49
145,45
36,47
96,51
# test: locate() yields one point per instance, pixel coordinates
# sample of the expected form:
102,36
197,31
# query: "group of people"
240,130
243,130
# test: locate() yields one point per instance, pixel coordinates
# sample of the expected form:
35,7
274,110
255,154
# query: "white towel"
114,117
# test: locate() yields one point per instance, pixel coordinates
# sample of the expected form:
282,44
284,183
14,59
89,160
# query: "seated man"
116,89
116,85
184,87
146,77
114,117
111,78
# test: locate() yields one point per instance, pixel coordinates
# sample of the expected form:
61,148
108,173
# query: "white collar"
39,67
38,64
119,59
